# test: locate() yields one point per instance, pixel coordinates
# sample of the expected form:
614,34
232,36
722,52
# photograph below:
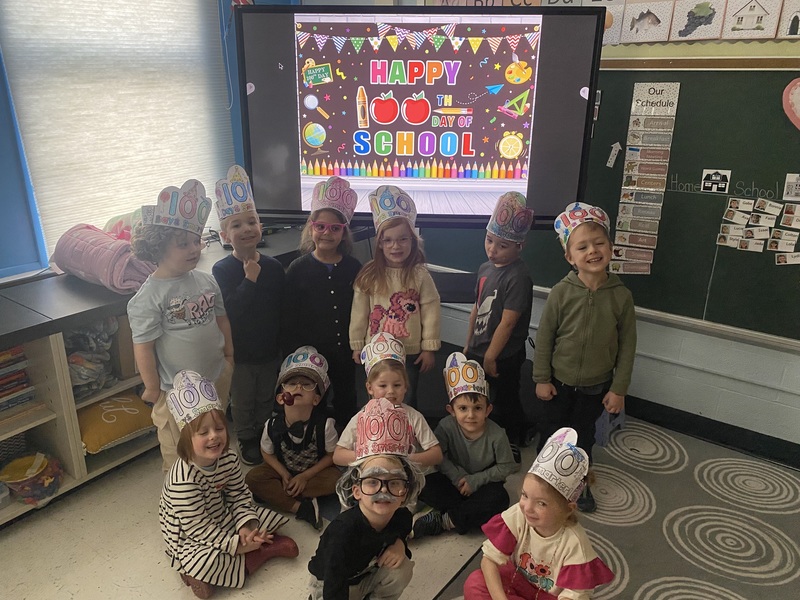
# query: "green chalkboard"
731,120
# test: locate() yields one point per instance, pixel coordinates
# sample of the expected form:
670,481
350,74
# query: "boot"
201,589
281,546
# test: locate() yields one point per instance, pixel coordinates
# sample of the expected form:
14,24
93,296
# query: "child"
469,488
214,533
298,443
500,317
319,290
252,287
537,549
363,551
384,361
394,292
586,340
178,316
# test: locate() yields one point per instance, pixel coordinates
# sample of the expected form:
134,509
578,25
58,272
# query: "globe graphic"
314,135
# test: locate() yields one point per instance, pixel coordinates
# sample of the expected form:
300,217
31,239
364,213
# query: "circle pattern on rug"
615,560
750,484
732,544
648,448
681,588
621,498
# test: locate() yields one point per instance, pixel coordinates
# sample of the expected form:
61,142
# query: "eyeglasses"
401,241
320,227
296,386
372,485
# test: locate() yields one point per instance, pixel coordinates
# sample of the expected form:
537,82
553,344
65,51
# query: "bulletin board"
732,120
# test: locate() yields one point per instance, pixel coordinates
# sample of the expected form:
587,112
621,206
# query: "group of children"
199,340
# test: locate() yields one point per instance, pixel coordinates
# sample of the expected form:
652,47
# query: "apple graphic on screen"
384,110
417,109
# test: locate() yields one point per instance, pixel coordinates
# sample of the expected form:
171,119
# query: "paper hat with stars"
234,194
186,208
577,214
562,464
511,218
383,428
390,202
462,376
335,194
382,346
191,396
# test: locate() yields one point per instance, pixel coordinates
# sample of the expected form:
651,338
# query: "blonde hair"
571,515
150,242
372,277
595,225
345,247
388,365
185,447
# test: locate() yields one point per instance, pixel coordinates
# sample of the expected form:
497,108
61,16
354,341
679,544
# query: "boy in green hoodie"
586,341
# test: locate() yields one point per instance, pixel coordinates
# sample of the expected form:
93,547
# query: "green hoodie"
586,338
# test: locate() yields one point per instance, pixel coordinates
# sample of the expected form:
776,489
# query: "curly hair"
349,479
150,242
307,244
372,277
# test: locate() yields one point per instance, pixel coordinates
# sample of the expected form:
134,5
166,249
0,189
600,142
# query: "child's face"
208,442
182,254
501,252
372,490
304,394
470,416
389,385
395,242
242,231
542,509
589,249
324,238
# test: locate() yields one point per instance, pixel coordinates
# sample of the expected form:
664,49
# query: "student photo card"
762,219
744,204
791,209
788,259
790,221
768,206
736,216
756,233
734,230
785,234
751,245
780,245
694,20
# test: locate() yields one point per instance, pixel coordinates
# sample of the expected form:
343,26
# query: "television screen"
454,105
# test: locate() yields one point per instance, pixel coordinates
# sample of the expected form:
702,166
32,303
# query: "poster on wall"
432,102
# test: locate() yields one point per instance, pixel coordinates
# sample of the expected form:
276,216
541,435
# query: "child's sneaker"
250,452
586,502
309,512
428,524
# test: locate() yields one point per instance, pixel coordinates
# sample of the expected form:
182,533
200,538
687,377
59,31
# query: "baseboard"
731,436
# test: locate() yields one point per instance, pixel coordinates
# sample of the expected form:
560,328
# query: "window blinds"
115,101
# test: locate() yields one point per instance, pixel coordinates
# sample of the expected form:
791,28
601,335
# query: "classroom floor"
103,541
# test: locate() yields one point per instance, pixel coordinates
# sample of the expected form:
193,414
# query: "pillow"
114,421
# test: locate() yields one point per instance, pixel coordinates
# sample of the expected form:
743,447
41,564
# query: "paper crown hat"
191,396
305,361
511,218
383,428
575,215
234,194
562,464
382,346
335,194
462,376
186,208
390,202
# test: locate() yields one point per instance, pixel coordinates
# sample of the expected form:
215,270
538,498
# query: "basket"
33,479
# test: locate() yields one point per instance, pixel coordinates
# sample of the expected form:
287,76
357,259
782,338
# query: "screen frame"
299,216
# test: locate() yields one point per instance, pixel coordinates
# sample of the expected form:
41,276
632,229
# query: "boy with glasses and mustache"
363,552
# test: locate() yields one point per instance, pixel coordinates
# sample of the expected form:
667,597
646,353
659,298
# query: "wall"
728,381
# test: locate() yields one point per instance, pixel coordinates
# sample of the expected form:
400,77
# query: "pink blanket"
98,257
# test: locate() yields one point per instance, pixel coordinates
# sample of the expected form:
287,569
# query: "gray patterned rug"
679,518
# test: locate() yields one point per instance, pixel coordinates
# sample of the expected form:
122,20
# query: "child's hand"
490,366
393,556
463,487
614,403
251,269
296,485
250,540
150,395
546,391
426,361
357,356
